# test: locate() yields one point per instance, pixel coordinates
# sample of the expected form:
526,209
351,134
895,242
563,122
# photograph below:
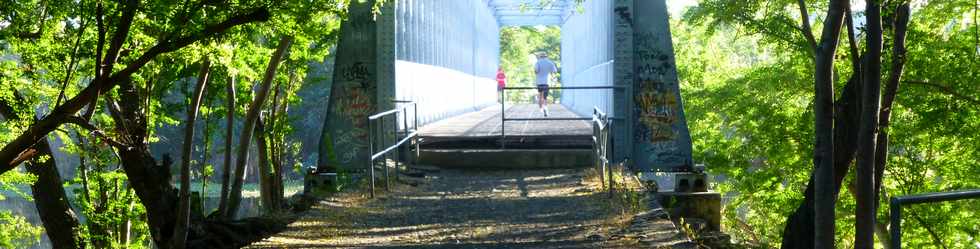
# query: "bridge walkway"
481,129
542,209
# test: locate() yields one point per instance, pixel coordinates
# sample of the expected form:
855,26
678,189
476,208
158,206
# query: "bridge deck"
482,129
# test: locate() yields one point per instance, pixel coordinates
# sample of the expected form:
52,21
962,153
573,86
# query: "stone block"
693,205
675,181
690,182
322,181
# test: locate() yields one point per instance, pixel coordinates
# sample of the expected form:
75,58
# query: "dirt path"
464,209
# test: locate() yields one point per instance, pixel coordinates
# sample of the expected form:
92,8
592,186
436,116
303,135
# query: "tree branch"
100,26
852,42
121,32
120,35
76,120
16,150
945,89
74,60
806,29
932,233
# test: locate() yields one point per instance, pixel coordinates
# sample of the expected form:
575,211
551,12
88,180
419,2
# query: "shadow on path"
461,209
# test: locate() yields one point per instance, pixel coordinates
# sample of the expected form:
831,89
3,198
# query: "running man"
543,70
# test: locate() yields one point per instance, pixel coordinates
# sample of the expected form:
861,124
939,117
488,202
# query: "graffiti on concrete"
355,108
660,134
623,13
356,72
344,138
657,111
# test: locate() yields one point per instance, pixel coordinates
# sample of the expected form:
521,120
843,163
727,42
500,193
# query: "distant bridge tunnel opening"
585,51
447,52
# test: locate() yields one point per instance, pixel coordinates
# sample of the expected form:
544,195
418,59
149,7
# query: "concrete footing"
704,206
314,181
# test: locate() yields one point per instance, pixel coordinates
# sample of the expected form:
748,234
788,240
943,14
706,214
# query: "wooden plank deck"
482,129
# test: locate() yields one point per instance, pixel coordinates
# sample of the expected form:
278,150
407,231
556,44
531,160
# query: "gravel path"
464,209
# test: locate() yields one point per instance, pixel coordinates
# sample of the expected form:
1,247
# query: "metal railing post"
371,153
896,224
418,151
596,147
605,155
503,130
398,159
384,160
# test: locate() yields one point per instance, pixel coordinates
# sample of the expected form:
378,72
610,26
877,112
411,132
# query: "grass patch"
628,195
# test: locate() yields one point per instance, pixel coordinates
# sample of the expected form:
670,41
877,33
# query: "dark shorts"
543,89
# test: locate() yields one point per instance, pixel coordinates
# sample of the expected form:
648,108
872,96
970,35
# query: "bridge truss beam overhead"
531,12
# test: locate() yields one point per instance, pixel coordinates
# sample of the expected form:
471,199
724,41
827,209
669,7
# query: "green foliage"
16,232
517,48
48,53
111,205
746,76
14,182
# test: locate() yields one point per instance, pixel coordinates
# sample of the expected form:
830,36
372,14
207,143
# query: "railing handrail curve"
897,202
409,135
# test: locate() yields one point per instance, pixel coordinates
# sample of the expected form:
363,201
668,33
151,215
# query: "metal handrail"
385,113
376,131
503,111
897,202
540,119
565,87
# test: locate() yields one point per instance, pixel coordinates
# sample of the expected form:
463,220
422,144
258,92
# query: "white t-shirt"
544,68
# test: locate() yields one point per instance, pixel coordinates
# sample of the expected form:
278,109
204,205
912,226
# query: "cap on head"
541,54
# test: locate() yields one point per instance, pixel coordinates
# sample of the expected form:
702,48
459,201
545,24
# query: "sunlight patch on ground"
465,208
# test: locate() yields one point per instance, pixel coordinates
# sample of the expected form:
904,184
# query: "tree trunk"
865,175
206,154
151,183
824,127
272,151
891,89
884,118
798,232
128,226
280,146
265,175
277,140
184,211
235,194
59,220
229,133
97,234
